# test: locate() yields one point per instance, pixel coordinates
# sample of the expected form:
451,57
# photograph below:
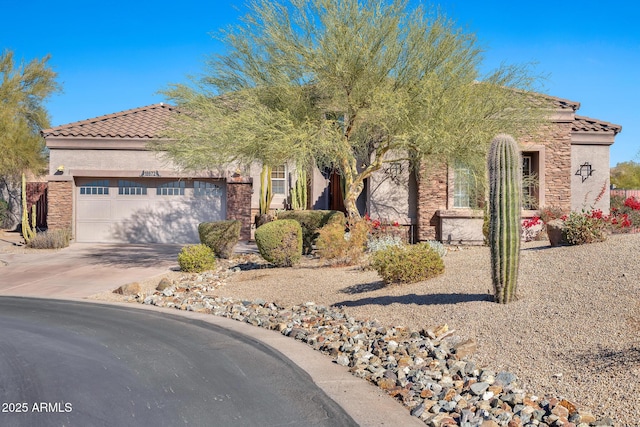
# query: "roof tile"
145,122
586,124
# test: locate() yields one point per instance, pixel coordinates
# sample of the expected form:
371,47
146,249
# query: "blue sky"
113,56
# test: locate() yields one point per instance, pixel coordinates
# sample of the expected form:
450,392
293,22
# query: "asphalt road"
68,363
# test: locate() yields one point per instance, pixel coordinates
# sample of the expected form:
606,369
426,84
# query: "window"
530,180
175,188
203,189
461,187
131,188
467,190
278,180
98,187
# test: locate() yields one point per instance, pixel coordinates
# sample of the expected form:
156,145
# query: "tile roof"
563,104
586,124
144,122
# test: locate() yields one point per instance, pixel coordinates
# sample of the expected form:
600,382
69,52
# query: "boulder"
163,284
556,233
133,288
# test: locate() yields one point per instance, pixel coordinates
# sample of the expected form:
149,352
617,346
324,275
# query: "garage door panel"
149,218
96,209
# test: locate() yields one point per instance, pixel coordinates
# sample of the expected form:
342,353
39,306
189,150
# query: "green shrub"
375,244
440,249
407,263
280,242
51,239
581,228
196,258
311,222
340,247
220,236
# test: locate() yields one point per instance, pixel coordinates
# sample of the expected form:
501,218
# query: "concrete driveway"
82,269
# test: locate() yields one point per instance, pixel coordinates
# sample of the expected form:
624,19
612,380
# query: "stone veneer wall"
60,205
239,203
432,196
556,138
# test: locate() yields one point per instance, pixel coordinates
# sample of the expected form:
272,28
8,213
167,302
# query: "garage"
146,210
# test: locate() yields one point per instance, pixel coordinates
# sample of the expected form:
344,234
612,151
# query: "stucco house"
107,186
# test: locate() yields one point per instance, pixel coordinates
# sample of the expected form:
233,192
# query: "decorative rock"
424,370
479,388
556,233
133,288
163,284
466,348
342,360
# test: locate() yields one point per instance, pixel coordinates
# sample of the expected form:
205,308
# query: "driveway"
82,269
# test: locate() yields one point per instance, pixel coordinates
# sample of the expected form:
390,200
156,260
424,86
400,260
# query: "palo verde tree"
348,84
24,87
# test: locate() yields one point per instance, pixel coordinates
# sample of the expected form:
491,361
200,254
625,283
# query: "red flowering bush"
625,214
585,227
379,229
531,228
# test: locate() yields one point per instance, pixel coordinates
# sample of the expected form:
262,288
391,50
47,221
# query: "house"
107,186
568,160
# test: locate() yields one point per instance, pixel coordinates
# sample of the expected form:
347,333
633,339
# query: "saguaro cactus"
28,230
266,194
505,202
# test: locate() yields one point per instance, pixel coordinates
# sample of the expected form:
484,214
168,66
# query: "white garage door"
131,210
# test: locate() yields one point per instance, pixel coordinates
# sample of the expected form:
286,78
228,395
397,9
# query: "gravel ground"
573,333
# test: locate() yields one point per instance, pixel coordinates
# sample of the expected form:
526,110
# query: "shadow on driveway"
128,256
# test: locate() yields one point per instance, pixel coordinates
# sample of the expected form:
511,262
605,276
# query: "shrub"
625,214
196,258
585,227
438,247
379,228
311,222
407,263
50,239
280,242
375,244
220,236
339,246
549,213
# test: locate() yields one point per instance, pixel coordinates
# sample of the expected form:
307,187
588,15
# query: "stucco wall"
389,194
105,160
593,191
